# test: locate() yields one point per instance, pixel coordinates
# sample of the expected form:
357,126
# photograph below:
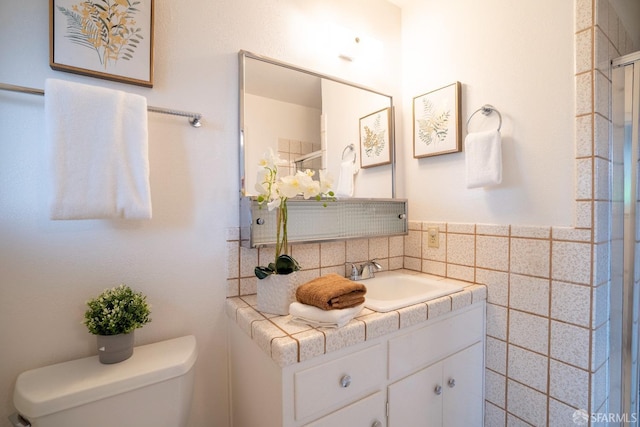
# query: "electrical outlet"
433,237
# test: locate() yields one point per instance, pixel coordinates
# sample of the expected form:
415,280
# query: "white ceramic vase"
114,348
276,292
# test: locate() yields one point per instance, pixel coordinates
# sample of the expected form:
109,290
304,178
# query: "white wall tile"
497,284
529,331
493,229
432,267
461,249
332,253
496,355
584,46
413,244
495,388
527,403
569,384
528,368
459,227
531,231
357,250
561,415
584,136
530,256
379,248
571,303
570,344
307,255
584,94
493,416
584,169
529,294
460,272
584,14
571,262
497,321
492,252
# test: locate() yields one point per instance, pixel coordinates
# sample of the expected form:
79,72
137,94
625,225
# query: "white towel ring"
351,148
486,110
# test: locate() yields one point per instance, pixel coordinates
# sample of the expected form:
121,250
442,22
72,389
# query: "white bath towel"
483,158
348,170
315,316
99,150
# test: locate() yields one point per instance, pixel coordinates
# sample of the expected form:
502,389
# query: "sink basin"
391,290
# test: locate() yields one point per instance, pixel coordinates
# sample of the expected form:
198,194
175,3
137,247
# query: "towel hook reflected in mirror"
351,148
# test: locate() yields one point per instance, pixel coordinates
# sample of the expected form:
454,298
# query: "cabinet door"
463,388
417,399
367,412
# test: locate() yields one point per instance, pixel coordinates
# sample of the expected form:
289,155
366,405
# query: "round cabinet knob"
402,216
438,390
345,381
260,221
451,383
376,424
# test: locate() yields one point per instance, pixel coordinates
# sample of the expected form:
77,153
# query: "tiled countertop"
288,341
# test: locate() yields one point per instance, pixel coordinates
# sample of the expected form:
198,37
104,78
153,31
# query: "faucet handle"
374,262
354,270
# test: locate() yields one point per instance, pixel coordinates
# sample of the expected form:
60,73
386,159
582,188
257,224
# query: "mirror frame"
243,55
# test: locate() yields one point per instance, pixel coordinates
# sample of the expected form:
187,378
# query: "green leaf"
262,272
286,265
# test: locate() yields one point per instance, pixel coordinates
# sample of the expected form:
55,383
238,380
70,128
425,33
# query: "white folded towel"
315,316
348,169
483,158
99,148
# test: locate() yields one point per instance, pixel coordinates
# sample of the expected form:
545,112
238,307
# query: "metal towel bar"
486,110
194,118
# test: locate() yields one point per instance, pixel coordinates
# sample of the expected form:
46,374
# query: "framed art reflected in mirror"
374,139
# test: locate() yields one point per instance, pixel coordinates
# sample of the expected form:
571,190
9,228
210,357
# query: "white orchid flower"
290,186
326,182
274,203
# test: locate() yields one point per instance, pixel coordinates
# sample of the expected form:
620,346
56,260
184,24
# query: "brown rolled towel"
330,292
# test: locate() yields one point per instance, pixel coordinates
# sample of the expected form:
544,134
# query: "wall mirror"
315,122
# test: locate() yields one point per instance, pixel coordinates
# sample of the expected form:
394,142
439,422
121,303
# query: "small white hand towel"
348,170
315,316
98,139
483,158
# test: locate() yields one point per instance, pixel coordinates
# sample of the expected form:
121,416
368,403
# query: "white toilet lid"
66,385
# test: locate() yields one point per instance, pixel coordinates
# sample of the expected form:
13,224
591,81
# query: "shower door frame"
624,389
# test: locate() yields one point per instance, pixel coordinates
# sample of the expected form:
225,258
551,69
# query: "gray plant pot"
114,348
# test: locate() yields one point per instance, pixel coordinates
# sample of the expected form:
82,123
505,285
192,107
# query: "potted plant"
277,284
113,316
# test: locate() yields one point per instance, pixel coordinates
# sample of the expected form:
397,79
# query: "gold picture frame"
375,149
436,122
110,40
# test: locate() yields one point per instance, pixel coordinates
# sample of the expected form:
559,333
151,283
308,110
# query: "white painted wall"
49,269
517,56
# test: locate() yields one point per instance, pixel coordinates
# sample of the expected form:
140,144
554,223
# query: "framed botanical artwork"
436,122
108,39
375,147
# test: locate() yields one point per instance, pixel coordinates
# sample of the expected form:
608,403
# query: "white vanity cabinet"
442,371
388,381
448,393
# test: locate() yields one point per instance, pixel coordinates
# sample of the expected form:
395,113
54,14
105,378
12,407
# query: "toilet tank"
152,388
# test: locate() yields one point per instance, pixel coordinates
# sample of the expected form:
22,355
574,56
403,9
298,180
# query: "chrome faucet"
366,270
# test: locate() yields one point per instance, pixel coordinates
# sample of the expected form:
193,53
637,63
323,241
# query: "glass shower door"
625,266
